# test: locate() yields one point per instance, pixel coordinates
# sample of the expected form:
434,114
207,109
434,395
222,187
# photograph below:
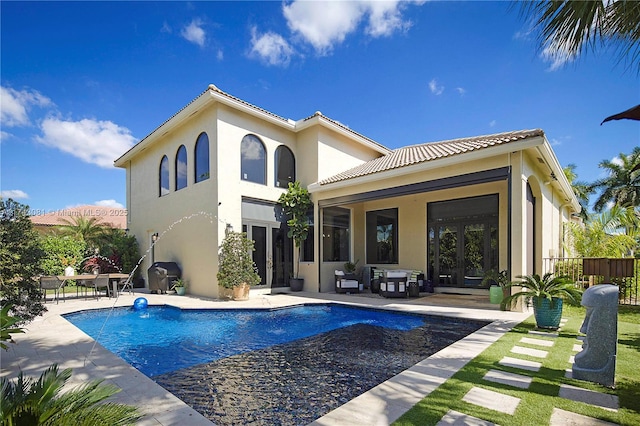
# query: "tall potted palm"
547,294
295,205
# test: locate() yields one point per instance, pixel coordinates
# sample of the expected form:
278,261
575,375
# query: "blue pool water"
162,339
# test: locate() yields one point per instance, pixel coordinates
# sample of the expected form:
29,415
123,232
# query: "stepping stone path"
503,403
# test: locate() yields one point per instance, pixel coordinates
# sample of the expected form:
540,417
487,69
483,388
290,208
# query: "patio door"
273,254
463,241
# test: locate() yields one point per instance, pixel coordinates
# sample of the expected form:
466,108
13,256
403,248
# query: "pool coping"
52,339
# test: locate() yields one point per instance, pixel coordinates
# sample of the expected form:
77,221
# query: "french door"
273,254
463,241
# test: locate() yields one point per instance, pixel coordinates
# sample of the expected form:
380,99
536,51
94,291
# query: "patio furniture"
51,283
346,284
101,282
393,284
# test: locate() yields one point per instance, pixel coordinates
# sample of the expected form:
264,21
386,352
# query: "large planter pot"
241,292
180,291
547,314
296,284
495,294
225,293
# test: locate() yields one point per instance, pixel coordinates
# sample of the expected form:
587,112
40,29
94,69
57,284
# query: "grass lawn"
538,401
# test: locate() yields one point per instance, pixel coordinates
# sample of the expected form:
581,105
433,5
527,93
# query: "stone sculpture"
597,360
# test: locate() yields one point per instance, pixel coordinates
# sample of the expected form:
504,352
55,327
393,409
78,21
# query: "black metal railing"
625,273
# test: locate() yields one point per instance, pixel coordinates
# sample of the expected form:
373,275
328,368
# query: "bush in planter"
295,205
547,294
235,263
500,279
180,286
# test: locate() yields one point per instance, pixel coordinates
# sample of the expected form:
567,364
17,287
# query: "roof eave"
432,164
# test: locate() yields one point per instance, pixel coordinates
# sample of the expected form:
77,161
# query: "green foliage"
179,283
41,402
622,182
60,252
235,262
122,248
601,236
296,203
493,276
350,267
20,256
547,287
7,323
90,230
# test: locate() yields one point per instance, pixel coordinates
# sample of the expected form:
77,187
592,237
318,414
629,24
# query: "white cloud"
557,55
436,88
194,33
492,123
92,141
15,105
271,48
323,24
109,203
16,194
461,91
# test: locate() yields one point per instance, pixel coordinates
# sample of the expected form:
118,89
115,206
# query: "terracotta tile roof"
111,216
415,154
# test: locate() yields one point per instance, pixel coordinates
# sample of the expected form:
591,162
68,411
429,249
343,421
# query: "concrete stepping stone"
552,334
528,351
520,363
456,418
492,400
577,348
572,359
567,418
537,342
599,399
511,379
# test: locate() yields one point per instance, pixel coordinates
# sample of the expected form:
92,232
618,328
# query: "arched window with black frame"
201,158
181,168
163,176
285,167
253,160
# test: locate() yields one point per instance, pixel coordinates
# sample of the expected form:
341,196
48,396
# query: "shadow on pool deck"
51,339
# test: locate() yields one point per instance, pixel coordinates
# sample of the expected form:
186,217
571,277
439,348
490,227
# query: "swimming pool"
161,339
267,367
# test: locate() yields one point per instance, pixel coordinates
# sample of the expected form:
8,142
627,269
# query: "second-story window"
253,160
202,158
285,167
163,175
181,168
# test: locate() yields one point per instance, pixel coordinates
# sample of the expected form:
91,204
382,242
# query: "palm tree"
41,402
622,185
582,190
569,27
90,230
601,235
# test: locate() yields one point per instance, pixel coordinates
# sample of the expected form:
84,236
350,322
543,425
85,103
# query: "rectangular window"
382,236
335,234
308,251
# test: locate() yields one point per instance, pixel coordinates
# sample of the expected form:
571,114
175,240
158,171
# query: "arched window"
181,168
163,174
202,158
254,160
285,167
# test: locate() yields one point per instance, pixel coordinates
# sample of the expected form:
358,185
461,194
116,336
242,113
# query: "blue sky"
84,81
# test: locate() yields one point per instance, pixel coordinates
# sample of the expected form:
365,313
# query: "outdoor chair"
393,284
51,283
345,284
101,282
124,284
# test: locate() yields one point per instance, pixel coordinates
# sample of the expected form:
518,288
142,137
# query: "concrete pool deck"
51,339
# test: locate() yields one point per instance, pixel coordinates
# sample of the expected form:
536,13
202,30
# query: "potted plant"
236,269
547,294
180,286
499,285
295,205
350,267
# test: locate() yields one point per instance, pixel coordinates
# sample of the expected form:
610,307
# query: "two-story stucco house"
453,209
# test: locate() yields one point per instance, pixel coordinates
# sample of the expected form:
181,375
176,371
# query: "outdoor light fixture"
229,228
154,237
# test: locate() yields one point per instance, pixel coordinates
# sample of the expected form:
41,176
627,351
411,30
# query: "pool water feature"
279,366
